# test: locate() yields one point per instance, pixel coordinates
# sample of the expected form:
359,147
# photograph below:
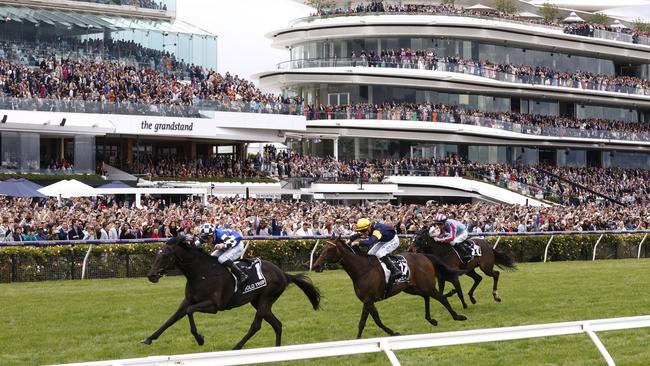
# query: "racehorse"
210,288
369,282
489,257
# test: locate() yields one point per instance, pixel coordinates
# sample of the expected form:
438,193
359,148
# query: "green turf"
73,321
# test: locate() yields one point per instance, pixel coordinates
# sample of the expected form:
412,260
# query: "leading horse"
370,286
211,288
489,257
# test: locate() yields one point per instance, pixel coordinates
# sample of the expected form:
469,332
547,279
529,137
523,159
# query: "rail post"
71,260
83,267
638,256
311,256
547,246
496,242
593,258
128,265
14,268
245,249
384,346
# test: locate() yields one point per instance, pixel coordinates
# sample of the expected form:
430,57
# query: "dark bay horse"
211,288
490,257
369,282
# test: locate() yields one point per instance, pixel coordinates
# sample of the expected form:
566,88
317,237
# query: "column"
84,154
336,148
356,148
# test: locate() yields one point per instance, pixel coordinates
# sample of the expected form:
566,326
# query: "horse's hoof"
460,317
465,306
395,334
497,299
146,341
200,340
473,300
433,322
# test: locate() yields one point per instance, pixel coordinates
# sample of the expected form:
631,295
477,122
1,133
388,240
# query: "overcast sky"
240,26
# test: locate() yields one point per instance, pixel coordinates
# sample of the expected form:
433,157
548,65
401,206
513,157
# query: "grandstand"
106,85
389,80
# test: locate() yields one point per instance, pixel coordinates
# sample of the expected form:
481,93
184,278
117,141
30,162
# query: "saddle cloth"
253,268
399,262
474,248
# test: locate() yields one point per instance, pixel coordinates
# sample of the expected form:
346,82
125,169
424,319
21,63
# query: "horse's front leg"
203,307
182,310
370,306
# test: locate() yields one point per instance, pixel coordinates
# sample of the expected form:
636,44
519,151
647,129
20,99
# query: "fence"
388,345
57,260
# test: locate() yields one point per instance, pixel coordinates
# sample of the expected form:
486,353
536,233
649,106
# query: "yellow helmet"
363,224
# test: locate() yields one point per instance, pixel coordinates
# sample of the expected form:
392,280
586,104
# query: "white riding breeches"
232,253
382,249
460,238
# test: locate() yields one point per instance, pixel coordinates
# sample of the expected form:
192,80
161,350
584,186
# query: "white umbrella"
573,18
479,7
67,189
527,14
618,25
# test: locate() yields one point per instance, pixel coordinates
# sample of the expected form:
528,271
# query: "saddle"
399,262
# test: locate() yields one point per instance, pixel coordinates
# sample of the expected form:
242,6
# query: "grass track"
73,321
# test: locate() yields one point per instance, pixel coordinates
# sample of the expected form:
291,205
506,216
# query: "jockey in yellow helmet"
383,239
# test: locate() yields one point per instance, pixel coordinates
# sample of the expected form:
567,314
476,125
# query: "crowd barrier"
388,345
79,266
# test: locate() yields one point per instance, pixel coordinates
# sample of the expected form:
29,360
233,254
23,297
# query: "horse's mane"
177,240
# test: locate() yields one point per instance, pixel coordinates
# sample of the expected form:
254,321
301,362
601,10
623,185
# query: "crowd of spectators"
146,4
527,123
578,28
426,59
86,219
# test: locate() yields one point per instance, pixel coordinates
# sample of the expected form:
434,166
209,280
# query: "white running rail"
388,345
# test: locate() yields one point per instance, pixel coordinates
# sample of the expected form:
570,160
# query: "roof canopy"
95,22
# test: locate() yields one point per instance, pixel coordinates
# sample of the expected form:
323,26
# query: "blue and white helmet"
206,229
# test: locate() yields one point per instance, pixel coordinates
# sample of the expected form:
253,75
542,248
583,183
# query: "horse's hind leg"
443,300
276,325
263,308
427,311
182,310
375,316
477,279
490,271
495,293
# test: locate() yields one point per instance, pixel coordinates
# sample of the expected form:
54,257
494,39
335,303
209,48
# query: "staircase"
112,173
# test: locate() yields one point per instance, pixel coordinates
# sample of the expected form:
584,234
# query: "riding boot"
463,252
241,276
394,273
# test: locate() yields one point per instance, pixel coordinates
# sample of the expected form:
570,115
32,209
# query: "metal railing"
388,345
554,79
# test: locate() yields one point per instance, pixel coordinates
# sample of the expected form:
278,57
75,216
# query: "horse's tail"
441,268
503,261
313,293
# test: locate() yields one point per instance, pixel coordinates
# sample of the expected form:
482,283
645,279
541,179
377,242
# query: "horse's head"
421,242
330,254
167,257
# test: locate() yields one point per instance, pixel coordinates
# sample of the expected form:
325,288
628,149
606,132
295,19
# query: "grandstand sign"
173,126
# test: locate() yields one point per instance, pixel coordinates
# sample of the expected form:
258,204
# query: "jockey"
227,248
382,237
452,232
